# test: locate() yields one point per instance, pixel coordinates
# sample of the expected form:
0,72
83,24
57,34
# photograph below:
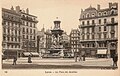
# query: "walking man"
29,59
14,60
115,59
84,57
80,57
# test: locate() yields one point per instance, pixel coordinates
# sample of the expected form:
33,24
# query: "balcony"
110,23
90,25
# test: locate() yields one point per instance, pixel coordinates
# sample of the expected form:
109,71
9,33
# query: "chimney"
81,10
12,8
98,7
110,4
17,8
27,11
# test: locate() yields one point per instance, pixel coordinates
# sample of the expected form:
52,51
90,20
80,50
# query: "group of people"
115,59
15,60
81,58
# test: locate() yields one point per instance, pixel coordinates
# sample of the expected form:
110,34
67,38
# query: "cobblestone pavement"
90,62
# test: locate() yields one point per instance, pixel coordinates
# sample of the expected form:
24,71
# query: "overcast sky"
68,11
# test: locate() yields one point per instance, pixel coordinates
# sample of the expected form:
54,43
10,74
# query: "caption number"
5,71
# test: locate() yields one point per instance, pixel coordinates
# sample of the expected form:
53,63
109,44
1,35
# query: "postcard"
59,37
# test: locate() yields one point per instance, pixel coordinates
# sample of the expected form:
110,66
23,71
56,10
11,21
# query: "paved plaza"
58,63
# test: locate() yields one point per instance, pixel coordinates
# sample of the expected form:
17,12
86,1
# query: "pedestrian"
29,59
14,60
84,57
80,57
115,59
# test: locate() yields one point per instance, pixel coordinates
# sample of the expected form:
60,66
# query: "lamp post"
76,51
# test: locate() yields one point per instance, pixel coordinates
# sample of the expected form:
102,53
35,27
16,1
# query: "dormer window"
93,15
112,12
88,15
99,14
83,16
105,13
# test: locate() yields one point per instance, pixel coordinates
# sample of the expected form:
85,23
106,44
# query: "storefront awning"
101,51
26,53
34,53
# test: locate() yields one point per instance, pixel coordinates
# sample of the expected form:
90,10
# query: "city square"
59,63
93,44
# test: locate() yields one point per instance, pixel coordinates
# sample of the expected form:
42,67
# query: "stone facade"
99,30
19,31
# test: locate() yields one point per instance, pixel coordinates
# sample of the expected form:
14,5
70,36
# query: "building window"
105,35
27,30
100,45
99,14
83,37
88,23
105,13
93,22
88,15
23,36
30,24
112,28
27,36
34,31
19,32
87,45
87,30
92,29
11,46
93,36
8,38
112,20
23,22
83,16
11,38
93,15
4,38
93,45
83,30
8,23
99,21
105,28
8,31
30,30
23,29
27,24
34,25
105,45
19,39
112,35
88,36
30,37
105,21
99,29
99,36
112,12
4,30
83,23
15,32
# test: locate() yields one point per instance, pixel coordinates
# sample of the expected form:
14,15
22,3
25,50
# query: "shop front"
101,53
88,52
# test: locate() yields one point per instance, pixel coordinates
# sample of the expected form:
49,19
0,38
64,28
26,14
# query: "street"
58,63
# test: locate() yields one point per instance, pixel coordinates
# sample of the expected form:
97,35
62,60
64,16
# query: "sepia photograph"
69,35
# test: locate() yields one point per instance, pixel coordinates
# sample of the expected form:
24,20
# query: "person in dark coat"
29,59
80,57
84,57
115,59
14,60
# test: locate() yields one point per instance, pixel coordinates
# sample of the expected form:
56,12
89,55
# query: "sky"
67,11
